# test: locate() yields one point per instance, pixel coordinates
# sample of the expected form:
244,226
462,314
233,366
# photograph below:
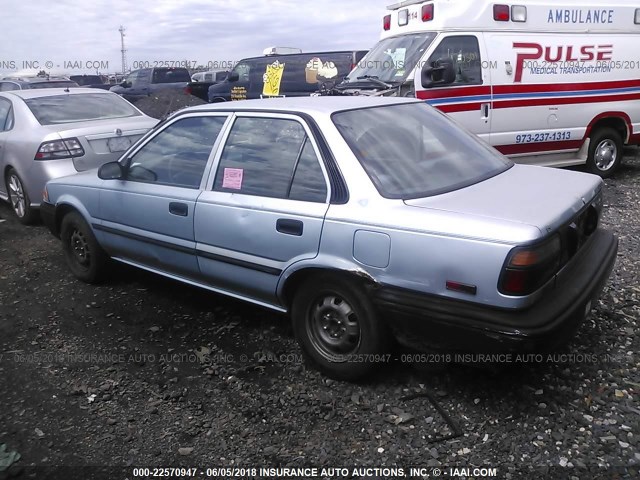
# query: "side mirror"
441,72
111,171
125,84
233,77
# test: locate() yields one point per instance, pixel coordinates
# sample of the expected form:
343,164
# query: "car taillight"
57,149
386,22
187,90
529,268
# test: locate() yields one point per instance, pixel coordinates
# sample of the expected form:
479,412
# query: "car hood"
540,197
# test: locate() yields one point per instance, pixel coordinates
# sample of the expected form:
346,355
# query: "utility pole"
123,50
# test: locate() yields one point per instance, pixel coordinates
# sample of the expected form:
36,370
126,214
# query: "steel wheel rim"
16,194
606,155
334,327
80,248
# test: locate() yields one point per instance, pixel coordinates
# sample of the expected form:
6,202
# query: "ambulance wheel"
605,152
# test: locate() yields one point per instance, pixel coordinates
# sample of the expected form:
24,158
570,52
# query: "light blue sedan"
363,218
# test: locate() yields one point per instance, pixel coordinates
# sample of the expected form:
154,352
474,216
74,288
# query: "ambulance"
546,83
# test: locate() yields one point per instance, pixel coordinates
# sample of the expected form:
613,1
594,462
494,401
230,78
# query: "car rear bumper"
423,321
48,214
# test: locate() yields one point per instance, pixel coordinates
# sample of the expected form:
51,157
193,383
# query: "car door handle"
290,227
180,209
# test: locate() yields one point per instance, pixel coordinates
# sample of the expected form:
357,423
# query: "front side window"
83,107
243,70
411,150
270,157
465,53
178,155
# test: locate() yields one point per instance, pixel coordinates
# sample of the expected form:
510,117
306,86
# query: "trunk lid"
540,197
104,140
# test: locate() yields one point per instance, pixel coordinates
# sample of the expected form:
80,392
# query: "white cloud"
71,33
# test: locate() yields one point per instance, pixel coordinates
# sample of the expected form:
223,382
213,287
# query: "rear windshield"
79,108
87,79
171,75
412,151
51,84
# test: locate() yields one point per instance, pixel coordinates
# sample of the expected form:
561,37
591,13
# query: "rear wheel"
605,152
84,255
337,328
19,199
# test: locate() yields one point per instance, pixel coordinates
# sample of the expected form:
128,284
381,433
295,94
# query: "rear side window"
270,157
170,75
6,116
83,107
178,155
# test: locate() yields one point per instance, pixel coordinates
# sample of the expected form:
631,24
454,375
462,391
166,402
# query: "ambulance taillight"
501,13
427,12
386,22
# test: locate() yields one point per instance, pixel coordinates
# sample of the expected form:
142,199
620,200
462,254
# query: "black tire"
19,199
337,328
84,255
605,152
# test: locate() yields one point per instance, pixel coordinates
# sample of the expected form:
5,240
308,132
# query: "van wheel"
19,199
84,255
337,328
605,152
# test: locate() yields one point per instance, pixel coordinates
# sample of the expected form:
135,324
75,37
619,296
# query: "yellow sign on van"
272,78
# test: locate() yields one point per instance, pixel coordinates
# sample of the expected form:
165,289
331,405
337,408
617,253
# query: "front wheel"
84,255
337,328
605,152
19,199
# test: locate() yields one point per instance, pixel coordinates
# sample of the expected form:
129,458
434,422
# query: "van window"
465,53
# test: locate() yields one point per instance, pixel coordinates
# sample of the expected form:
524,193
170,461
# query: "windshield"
79,108
393,59
413,151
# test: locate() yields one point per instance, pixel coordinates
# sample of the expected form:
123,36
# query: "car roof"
310,105
301,54
50,92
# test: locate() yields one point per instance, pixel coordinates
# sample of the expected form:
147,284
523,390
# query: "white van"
546,83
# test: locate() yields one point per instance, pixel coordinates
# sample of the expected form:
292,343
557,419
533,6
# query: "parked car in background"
284,75
8,84
201,81
144,82
359,216
49,133
91,81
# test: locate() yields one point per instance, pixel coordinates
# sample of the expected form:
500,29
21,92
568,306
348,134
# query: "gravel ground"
164,102
142,371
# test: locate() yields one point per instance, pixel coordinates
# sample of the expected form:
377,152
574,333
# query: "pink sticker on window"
232,178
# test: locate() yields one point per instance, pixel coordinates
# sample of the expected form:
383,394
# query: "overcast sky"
71,33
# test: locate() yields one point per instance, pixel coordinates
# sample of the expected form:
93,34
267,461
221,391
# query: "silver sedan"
49,133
